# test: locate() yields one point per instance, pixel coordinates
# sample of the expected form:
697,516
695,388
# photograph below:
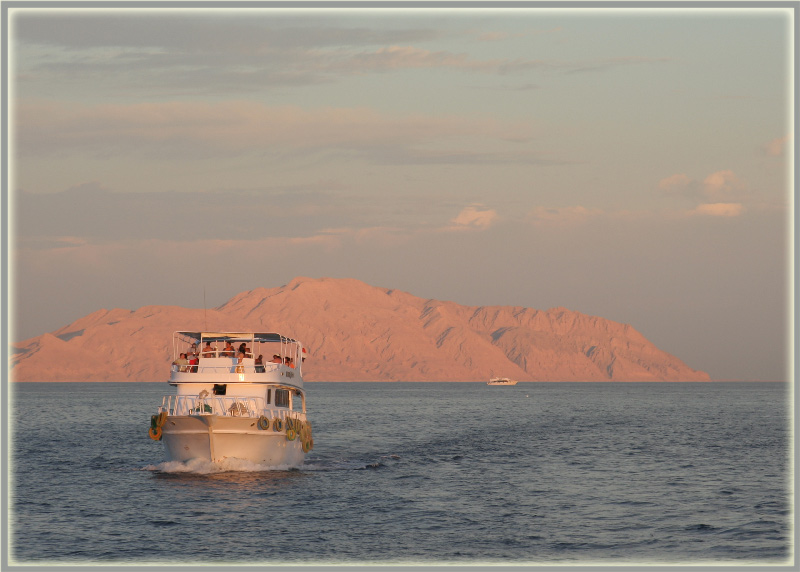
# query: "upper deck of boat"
236,357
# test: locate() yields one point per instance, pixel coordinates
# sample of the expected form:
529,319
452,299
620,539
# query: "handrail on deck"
219,404
227,406
228,368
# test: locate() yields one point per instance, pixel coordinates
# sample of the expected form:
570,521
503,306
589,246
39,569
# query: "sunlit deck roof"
238,336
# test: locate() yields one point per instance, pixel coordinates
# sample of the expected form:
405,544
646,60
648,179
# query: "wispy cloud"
721,183
678,183
321,214
103,216
719,186
409,57
606,64
232,127
717,210
473,217
722,193
213,55
575,216
777,147
248,33
562,216
188,55
501,36
508,87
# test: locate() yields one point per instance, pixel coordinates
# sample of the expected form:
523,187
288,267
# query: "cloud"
721,183
720,194
508,87
716,188
316,214
473,217
562,216
239,35
102,216
717,210
418,156
497,36
606,64
777,147
678,183
233,127
193,55
409,57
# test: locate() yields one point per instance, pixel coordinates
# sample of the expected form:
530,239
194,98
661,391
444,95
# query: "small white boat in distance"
501,381
239,396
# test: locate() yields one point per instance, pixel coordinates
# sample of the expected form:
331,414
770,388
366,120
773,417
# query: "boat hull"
217,439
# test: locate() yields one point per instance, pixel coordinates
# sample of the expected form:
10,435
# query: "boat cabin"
229,357
236,372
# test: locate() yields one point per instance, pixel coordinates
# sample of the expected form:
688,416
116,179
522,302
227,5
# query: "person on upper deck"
228,351
290,362
208,351
260,364
181,362
276,359
239,364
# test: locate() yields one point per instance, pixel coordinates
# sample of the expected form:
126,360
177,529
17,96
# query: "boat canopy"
237,336
268,343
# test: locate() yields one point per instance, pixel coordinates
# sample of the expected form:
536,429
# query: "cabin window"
269,395
282,397
220,389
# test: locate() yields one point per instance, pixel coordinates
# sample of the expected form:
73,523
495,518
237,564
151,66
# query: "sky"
634,164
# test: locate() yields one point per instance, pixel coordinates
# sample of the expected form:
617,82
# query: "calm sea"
417,473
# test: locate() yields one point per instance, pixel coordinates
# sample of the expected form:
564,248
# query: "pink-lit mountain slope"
356,332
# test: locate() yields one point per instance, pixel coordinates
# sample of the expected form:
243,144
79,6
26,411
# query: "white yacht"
239,396
501,381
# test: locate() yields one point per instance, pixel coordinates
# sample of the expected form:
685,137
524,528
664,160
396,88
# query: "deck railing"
228,406
227,367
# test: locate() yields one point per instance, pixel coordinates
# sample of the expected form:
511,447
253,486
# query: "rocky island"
356,332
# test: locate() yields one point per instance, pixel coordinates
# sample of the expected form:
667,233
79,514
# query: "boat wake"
206,467
349,464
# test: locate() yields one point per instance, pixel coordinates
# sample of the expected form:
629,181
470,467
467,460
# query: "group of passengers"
227,351
287,360
187,362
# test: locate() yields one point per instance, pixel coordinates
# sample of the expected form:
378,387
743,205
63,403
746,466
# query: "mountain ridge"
357,332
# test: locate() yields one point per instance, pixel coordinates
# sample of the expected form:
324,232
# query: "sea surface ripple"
416,473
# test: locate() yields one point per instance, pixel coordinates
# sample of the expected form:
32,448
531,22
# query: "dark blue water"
538,473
